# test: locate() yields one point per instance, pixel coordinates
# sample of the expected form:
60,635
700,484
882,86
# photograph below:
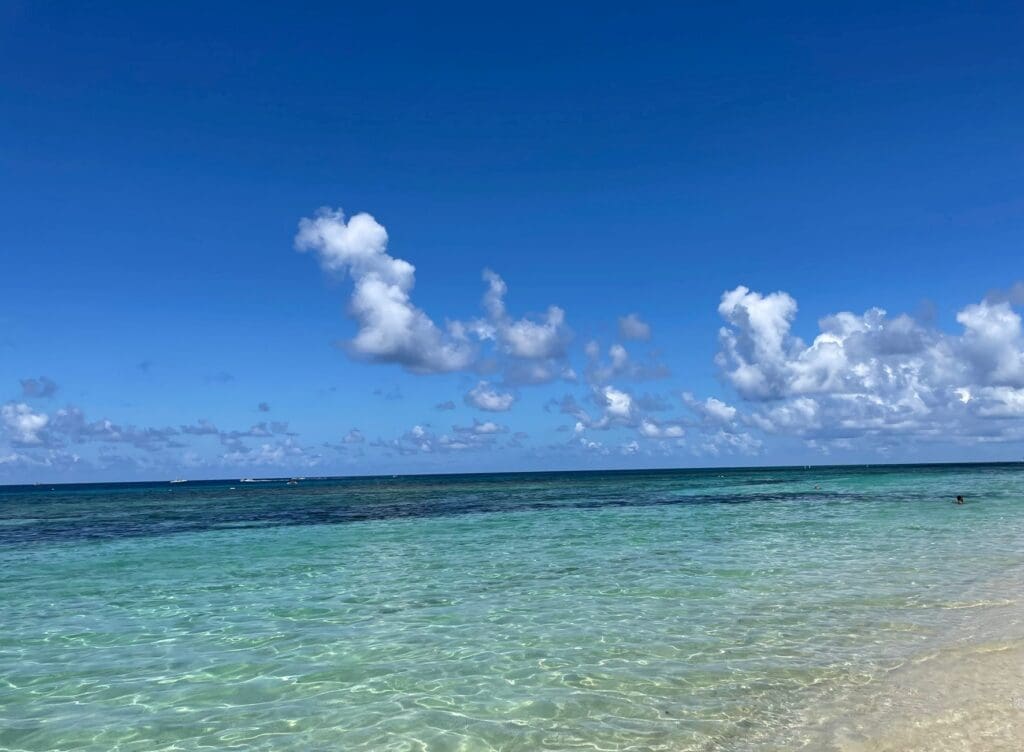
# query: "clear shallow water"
741,609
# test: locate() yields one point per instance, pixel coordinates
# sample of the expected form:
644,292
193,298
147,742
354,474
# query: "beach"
843,608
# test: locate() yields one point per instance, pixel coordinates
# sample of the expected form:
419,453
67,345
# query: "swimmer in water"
959,500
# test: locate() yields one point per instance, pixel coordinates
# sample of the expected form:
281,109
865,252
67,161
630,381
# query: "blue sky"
733,175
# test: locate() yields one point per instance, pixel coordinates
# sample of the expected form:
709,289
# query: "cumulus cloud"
632,326
617,403
530,350
23,424
391,328
41,388
874,374
618,409
711,409
542,339
420,439
355,436
653,429
52,440
70,424
729,442
481,428
284,453
619,365
485,397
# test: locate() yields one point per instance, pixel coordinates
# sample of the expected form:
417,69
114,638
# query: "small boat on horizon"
180,480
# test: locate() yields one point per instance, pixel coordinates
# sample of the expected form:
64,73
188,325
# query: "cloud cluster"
421,439
60,438
392,329
872,374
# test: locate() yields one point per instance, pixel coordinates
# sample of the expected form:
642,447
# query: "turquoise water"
670,610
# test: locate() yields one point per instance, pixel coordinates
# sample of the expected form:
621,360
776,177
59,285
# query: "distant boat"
179,480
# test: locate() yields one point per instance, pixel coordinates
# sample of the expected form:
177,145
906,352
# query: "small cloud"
42,387
652,429
484,397
617,403
23,423
263,407
711,409
446,405
145,365
201,428
355,436
633,327
481,428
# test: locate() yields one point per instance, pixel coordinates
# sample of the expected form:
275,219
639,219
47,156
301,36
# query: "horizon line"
392,476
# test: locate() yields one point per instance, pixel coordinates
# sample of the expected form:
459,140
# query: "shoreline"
962,698
965,693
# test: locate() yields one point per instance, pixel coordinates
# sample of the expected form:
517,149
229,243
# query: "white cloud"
421,440
728,442
522,338
619,365
484,397
711,409
285,453
756,349
652,429
992,343
23,423
617,404
391,328
593,446
632,326
719,410
1001,402
481,428
872,374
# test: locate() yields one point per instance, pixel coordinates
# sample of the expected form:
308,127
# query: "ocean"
846,608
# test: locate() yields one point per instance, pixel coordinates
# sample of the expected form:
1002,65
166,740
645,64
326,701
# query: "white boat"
179,480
